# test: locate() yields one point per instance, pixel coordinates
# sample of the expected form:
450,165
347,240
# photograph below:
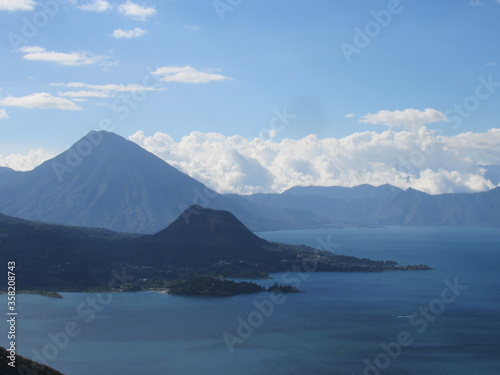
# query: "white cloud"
41,100
476,3
85,94
128,34
136,11
187,74
96,6
410,119
13,5
192,27
25,162
101,91
423,160
3,114
443,181
36,53
349,115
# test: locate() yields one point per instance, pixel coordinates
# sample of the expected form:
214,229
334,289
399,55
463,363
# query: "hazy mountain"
7,175
387,205
338,192
103,180
106,181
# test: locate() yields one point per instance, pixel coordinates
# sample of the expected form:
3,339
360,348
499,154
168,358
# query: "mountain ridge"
58,258
104,180
389,206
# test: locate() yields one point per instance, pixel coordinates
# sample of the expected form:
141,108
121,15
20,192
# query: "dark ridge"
23,366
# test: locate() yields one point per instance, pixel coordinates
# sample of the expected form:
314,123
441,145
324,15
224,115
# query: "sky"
262,95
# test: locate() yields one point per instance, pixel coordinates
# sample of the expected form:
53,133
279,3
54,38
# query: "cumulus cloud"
129,34
410,119
96,6
101,91
13,5
25,162
41,100
349,115
3,114
187,74
136,11
36,53
423,160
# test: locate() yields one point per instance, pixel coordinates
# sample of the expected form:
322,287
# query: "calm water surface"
337,326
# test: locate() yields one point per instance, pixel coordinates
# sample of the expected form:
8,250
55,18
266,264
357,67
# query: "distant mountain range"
367,205
6,174
106,181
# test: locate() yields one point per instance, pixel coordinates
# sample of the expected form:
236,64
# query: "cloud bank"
423,160
25,162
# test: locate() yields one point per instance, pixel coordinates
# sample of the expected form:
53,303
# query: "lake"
444,321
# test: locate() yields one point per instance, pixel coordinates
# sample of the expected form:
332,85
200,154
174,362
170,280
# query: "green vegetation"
45,293
211,244
276,288
212,287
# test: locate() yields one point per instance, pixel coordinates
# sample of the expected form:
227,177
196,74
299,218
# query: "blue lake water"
339,325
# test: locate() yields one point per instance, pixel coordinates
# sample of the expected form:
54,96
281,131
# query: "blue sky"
210,66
